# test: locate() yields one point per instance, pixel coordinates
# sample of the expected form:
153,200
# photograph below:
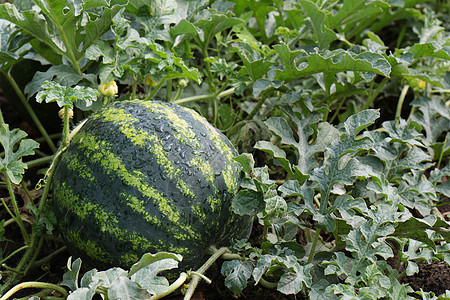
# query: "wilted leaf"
70,278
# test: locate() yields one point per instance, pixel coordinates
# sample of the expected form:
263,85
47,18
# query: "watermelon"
147,176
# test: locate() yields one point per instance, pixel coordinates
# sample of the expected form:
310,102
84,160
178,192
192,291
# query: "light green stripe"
183,132
224,149
85,209
108,224
151,142
138,206
88,247
99,151
181,129
74,165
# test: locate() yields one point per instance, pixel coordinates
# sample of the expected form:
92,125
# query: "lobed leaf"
236,274
12,163
66,96
125,289
255,65
319,20
301,63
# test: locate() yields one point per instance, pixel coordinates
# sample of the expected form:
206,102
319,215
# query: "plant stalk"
155,90
313,246
401,99
256,108
373,95
39,161
34,284
14,253
196,279
30,111
16,215
204,97
174,286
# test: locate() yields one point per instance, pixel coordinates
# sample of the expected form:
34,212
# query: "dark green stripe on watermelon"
147,177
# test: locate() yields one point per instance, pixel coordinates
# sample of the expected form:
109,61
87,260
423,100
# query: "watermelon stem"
209,281
173,287
34,284
16,215
204,97
217,253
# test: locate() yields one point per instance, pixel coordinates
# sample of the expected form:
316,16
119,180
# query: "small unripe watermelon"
147,176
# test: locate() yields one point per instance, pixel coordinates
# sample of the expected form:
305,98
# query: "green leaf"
236,274
301,63
323,35
246,161
62,74
430,50
363,242
255,65
353,14
125,289
402,132
263,88
82,293
101,49
66,96
12,163
318,291
69,27
304,151
433,115
277,153
413,160
106,278
207,27
8,55
357,122
275,208
292,282
157,18
146,270
290,188
248,202
148,259
412,251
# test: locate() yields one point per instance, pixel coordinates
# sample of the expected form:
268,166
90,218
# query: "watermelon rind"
147,176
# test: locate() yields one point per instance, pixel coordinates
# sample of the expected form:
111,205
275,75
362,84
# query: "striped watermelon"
147,176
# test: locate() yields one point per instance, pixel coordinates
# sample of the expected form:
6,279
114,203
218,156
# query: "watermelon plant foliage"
339,111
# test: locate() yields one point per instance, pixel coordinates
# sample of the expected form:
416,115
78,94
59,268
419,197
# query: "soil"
433,277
